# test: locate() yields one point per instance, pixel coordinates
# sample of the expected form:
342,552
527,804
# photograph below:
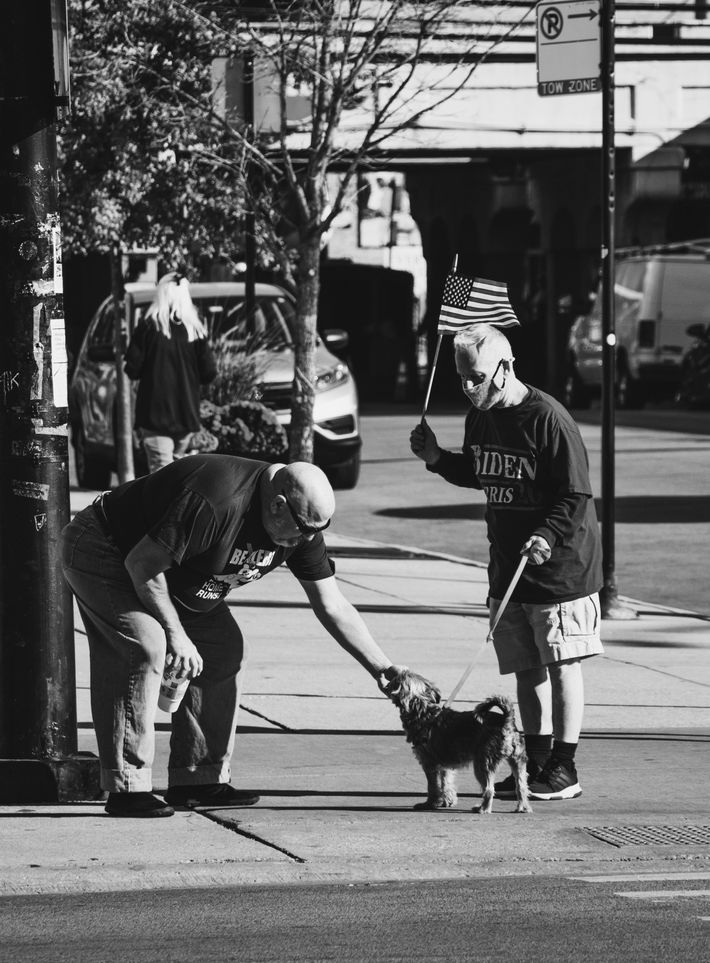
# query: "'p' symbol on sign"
551,23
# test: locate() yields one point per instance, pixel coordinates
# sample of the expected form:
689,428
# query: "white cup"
172,690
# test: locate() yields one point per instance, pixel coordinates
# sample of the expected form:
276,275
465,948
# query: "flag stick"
454,266
431,376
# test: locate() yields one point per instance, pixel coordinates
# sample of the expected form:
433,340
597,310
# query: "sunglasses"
479,379
301,526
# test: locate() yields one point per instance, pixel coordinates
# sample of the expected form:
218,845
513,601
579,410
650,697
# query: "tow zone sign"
568,47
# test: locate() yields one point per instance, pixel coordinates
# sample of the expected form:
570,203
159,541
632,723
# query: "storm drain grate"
651,835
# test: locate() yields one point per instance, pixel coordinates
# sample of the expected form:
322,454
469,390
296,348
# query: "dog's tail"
496,720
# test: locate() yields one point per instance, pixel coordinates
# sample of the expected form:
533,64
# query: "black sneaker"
558,780
219,795
139,805
506,788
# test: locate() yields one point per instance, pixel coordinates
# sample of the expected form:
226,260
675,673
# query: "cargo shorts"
530,635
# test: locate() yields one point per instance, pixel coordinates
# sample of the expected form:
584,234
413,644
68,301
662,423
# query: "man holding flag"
522,448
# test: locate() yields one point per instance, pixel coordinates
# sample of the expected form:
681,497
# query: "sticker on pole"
568,47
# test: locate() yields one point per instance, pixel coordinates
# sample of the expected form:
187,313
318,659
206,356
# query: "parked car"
694,388
92,390
657,297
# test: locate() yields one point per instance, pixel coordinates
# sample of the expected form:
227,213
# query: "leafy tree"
370,69
141,160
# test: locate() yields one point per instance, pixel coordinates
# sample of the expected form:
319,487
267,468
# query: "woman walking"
170,357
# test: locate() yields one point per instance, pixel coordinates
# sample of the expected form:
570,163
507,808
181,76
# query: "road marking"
654,894
641,877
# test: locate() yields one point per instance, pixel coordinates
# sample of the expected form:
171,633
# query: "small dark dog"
444,740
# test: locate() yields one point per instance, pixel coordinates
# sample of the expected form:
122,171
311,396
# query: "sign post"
575,55
568,47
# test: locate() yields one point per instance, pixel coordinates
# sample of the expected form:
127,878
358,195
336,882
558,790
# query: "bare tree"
371,70
368,70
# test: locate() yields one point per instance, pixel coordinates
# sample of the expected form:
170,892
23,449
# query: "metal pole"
123,413
440,336
38,737
250,216
431,375
610,605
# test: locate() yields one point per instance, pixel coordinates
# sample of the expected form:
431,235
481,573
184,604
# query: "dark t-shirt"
531,462
169,372
205,511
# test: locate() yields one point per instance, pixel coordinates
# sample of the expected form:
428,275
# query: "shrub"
240,371
245,428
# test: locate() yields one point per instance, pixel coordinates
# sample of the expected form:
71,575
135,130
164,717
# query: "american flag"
474,301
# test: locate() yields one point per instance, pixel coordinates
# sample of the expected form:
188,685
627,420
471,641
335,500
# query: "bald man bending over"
150,564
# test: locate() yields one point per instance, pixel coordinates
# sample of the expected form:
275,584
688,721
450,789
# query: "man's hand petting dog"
387,676
444,740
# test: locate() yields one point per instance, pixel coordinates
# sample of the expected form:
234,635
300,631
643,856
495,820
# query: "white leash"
489,638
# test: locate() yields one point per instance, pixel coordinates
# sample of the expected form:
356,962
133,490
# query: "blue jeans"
161,450
127,653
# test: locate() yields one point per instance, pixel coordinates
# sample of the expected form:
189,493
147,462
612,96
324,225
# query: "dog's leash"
489,637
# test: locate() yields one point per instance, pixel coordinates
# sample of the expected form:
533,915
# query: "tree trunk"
304,383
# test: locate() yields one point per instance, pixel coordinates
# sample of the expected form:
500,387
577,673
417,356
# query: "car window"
685,295
226,321
628,290
102,334
591,326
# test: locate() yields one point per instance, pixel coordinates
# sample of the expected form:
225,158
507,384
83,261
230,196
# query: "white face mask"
482,387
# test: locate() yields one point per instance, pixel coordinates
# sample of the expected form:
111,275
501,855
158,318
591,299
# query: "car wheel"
91,472
346,475
628,390
574,393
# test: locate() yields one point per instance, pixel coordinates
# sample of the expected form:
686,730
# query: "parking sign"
568,47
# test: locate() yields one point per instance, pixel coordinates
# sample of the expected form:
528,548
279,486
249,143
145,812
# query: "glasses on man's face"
303,528
476,378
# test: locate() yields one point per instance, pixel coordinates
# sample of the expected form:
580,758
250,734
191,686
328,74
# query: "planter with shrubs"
245,428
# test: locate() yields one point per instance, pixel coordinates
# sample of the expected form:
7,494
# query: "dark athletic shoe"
506,788
558,780
218,795
138,805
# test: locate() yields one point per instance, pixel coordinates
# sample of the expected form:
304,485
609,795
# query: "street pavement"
337,779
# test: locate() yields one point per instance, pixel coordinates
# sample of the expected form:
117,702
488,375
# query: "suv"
92,390
657,296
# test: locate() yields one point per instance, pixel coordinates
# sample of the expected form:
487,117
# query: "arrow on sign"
589,15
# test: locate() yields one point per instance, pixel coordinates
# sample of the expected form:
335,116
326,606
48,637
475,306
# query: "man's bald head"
307,489
297,502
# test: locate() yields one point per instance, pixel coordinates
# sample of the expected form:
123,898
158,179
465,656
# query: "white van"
657,296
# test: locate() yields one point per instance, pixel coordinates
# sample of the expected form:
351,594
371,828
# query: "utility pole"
611,607
38,738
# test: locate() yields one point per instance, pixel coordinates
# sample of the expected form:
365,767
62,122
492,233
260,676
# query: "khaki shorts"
530,635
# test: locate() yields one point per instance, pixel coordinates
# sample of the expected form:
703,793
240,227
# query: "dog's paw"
482,810
523,808
431,806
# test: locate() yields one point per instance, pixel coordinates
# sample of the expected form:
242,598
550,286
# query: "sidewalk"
324,749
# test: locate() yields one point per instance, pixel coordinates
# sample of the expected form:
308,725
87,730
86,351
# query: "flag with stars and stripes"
474,301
